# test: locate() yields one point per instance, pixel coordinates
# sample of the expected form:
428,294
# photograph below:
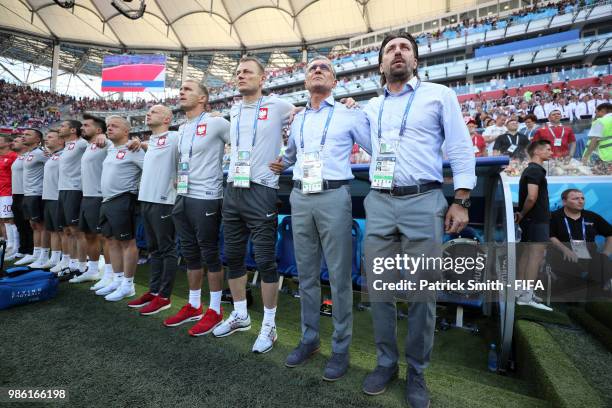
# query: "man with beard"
249,205
23,243
197,211
93,131
157,195
70,193
408,124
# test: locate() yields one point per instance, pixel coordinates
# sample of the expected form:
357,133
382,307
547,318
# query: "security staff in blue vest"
409,123
320,145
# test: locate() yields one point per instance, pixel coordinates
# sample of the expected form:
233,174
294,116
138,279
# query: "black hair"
536,144
392,36
99,122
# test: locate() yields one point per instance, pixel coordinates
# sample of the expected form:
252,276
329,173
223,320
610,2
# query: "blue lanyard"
192,137
408,105
325,129
254,123
569,231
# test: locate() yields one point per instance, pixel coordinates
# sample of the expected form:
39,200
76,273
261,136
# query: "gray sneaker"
376,382
417,394
301,353
336,366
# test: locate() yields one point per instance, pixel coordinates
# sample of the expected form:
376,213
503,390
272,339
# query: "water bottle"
492,358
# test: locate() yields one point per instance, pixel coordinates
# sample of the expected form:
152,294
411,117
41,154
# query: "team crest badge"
201,130
94,146
263,114
71,146
161,141
30,157
120,154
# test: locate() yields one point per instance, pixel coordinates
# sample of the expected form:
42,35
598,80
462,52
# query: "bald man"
157,195
121,172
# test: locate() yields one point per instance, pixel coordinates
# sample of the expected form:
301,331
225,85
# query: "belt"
408,190
327,184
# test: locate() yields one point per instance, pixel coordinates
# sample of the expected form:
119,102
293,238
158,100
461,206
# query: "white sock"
65,259
55,256
269,315
108,269
82,266
36,253
215,301
73,264
15,237
9,235
195,298
118,276
128,281
43,256
93,267
240,307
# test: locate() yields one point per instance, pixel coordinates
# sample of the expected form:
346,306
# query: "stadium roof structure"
207,25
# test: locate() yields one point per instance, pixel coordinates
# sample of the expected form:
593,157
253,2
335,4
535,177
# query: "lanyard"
530,134
510,140
553,133
325,129
408,105
569,232
192,137
254,123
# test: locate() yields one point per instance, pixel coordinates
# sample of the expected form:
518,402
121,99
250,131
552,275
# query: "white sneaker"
28,259
265,340
534,304
61,265
232,324
19,255
110,288
39,264
101,283
10,257
48,265
121,292
85,277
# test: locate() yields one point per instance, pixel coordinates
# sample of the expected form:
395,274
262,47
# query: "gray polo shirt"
121,171
70,165
209,136
159,169
51,177
17,175
33,170
91,169
273,115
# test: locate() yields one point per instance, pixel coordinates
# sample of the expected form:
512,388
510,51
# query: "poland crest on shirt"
120,154
201,130
71,146
161,141
263,114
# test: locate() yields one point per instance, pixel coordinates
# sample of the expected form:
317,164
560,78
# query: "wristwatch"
464,202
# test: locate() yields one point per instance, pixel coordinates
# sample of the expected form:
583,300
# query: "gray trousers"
321,224
411,220
159,230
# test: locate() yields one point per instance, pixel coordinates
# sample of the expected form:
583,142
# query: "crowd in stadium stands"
22,105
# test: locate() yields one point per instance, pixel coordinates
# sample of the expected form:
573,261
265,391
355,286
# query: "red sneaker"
157,305
187,314
211,320
144,300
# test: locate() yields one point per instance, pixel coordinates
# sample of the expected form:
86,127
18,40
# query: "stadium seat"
357,238
285,256
495,34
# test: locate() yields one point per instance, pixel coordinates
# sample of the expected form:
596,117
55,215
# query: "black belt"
327,184
408,190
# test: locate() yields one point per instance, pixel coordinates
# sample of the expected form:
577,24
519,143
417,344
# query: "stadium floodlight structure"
129,13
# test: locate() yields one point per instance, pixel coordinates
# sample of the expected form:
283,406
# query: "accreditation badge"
182,178
312,169
512,148
242,169
557,142
580,249
384,167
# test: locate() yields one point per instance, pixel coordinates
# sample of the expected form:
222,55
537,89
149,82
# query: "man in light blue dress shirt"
320,144
406,207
